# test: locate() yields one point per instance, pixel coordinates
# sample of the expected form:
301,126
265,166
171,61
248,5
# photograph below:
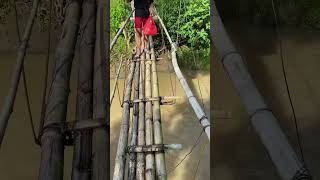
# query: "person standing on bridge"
143,9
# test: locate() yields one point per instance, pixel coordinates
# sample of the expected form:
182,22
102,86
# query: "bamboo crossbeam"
264,122
120,161
204,121
158,137
9,101
134,127
83,140
52,146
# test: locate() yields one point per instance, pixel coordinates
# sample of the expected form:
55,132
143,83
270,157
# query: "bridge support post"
52,145
81,169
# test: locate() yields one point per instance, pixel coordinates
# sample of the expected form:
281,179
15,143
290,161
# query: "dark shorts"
139,21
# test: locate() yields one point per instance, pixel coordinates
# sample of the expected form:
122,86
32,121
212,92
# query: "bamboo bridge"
144,146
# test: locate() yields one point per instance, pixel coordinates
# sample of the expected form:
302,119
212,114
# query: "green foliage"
196,25
188,19
119,12
194,59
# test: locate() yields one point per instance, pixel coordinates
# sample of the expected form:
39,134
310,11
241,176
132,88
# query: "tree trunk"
264,122
52,145
83,139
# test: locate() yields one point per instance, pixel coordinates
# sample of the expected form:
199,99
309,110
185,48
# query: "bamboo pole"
52,147
120,31
150,166
120,161
140,173
134,127
100,139
264,122
83,140
116,81
204,121
158,137
9,101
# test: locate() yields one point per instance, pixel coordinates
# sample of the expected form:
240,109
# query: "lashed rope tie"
201,119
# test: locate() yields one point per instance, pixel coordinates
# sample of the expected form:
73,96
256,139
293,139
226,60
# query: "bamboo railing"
203,119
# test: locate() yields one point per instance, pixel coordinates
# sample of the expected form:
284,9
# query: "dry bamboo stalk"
134,127
140,172
83,140
158,137
9,102
52,147
120,161
100,136
150,166
264,122
204,121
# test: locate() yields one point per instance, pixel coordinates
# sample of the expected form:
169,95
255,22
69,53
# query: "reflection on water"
179,126
238,152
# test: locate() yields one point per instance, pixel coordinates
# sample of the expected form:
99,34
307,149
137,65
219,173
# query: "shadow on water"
238,152
179,126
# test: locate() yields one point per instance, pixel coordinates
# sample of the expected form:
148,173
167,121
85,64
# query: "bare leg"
138,32
146,42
